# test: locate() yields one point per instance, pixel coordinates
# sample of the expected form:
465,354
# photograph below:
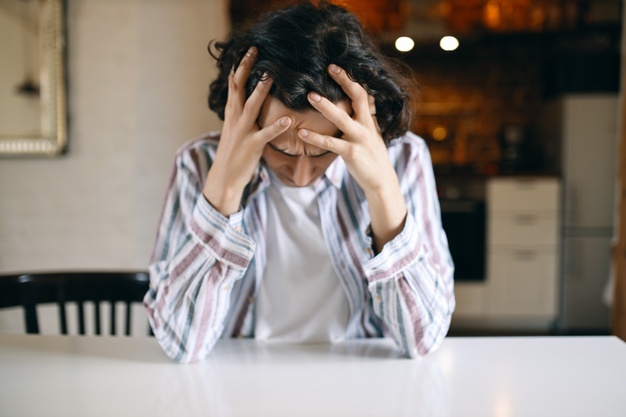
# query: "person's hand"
361,146
365,154
241,143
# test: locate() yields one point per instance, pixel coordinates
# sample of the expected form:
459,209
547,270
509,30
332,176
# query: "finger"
255,101
329,143
371,105
245,66
272,131
356,92
237,84
334,114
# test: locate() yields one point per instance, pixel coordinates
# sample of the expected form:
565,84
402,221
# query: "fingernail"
266,78
315,97
303,133
285,121
334,68
250,51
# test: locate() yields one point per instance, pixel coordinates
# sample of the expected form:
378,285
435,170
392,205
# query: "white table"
500,377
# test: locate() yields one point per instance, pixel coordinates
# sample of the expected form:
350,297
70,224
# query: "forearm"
387,212
411,286
186,310
411,278
224,196
191,284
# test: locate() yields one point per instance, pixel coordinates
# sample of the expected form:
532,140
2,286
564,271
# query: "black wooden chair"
30,290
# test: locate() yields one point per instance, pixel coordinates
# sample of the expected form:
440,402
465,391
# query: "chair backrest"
79,287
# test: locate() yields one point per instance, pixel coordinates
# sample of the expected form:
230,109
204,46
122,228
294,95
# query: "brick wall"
475,95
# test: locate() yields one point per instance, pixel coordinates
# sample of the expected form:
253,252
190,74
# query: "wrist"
224,197
386,188
388,213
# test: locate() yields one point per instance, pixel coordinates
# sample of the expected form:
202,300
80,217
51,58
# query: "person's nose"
303,172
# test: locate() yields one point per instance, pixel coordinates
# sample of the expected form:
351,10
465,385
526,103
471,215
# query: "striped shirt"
206,268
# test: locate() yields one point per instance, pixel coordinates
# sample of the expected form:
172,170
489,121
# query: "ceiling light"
440,133
449,43
404,44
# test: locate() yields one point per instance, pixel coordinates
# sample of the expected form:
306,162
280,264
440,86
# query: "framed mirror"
33,93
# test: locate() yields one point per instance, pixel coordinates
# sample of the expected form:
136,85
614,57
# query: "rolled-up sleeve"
411,279
197,257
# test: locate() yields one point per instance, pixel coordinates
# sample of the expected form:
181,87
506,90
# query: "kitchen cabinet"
523,282
523,246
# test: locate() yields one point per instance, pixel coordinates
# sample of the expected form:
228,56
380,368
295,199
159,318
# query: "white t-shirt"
300,298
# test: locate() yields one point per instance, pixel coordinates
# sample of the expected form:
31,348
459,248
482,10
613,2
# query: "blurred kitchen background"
518,102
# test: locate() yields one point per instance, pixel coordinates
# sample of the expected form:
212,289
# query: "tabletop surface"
500,377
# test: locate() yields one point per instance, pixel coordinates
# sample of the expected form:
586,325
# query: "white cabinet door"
523,228
523,194
522,283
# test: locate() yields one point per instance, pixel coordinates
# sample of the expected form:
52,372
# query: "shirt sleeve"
197,257
411,279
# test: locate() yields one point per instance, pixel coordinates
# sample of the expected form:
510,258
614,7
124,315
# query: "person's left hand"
361,146
365,154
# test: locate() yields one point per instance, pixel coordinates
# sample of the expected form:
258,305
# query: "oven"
464,222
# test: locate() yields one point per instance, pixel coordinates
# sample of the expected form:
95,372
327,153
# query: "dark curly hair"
295,46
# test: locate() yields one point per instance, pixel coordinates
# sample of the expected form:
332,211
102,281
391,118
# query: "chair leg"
62,317
81,318
127,332
96,306
112,324
30,318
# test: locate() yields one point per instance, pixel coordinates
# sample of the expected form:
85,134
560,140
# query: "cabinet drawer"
523,283
523,229
523,194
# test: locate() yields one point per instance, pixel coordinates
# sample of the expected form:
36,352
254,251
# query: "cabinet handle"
526,183
525,219
524,255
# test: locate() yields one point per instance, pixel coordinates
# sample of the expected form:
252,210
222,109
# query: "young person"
313,215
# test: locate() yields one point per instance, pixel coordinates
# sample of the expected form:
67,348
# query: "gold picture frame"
45,30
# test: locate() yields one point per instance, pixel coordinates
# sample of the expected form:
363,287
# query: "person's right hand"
241,143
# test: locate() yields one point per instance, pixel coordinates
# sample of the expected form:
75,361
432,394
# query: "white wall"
138,78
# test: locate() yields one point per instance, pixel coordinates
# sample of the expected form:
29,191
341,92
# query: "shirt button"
378,298
238,228
226,287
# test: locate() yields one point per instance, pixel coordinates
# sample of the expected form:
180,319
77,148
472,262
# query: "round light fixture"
404,44
440,133
449,43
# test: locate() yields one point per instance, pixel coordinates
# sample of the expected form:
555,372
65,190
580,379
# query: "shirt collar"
335,172
259,182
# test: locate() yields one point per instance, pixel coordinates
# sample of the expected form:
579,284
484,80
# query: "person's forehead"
290,143
311,119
